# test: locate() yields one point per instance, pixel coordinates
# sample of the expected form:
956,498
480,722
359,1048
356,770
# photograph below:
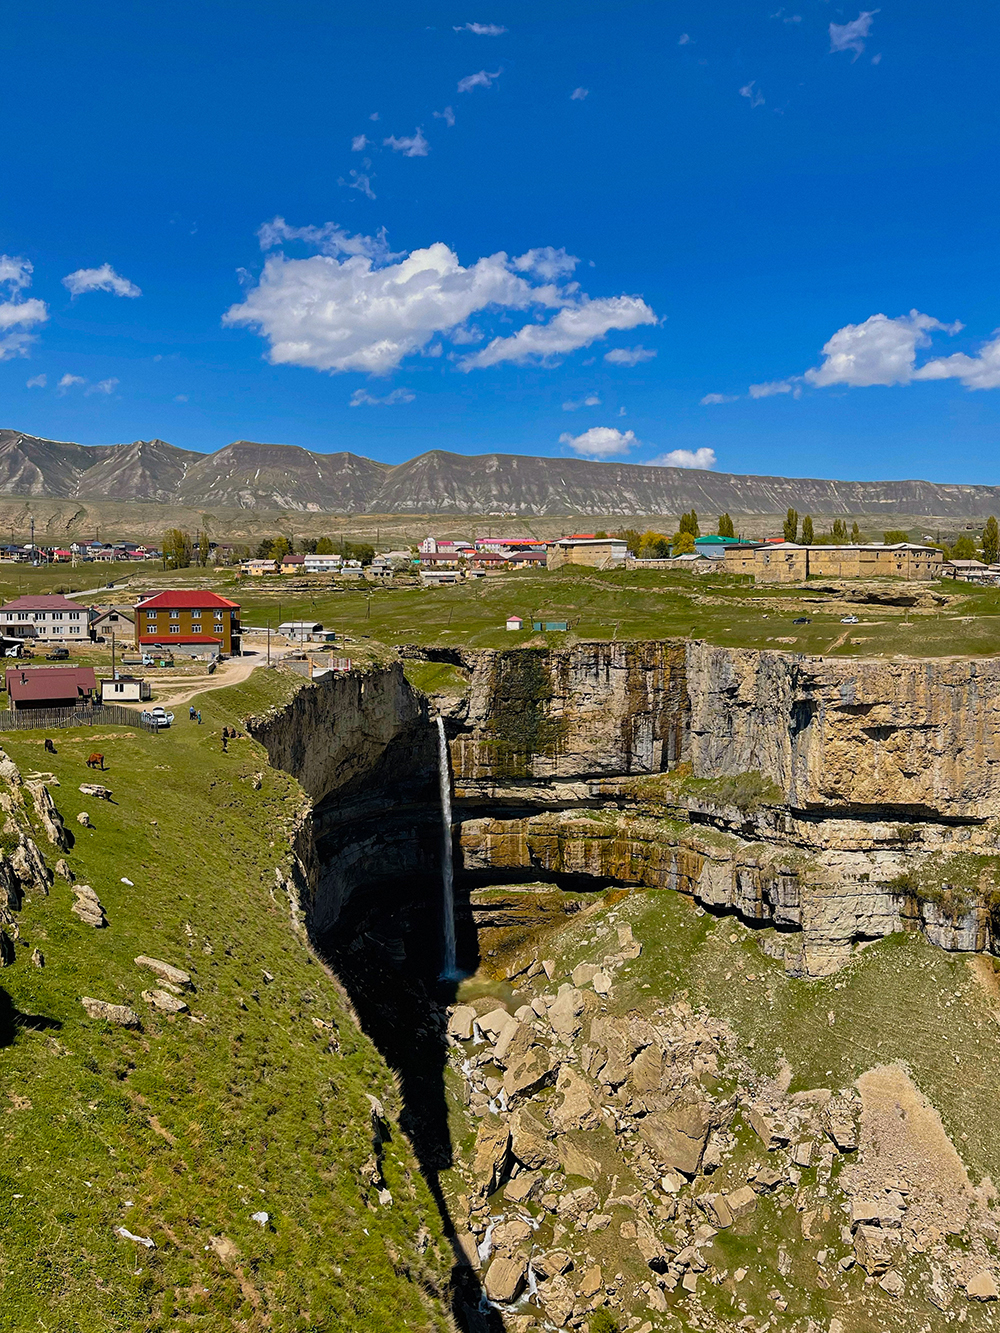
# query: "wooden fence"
48,719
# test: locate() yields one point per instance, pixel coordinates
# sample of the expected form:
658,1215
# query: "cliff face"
878,737
836,800
362,747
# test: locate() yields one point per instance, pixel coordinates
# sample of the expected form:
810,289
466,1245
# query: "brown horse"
96,761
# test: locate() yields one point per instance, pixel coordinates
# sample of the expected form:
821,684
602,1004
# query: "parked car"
801,620
57,655
849,620
158,716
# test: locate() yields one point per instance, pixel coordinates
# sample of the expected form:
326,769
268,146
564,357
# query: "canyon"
674,865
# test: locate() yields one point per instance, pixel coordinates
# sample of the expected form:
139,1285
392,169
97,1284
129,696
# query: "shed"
299,630
124,689
50,687
515,623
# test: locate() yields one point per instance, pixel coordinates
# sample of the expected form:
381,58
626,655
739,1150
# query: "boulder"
602,983
111,1013
494,1022
528,1073
802,1153
576,1160
584,973
522,1187
552,1264
741,1201
566,1014
677,1138
771,1135
88,907
164,1001
505,1279
491,1157
577,1110
530,1142
83,819
461,1021
514,1042
716,1209
558,1298
165,971
871,1251
510,1236
62,868
982,1287
48,816
591,1282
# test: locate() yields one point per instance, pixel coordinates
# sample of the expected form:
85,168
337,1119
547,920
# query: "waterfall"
449,970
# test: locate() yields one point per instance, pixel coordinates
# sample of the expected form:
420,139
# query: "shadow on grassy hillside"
387,952
12,1021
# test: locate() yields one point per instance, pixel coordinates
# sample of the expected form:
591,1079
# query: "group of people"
229,734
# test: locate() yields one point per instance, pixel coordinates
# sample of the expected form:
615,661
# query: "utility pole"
268,643
114,674
33,560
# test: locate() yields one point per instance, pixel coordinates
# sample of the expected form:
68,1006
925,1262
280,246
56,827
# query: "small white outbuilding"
515,623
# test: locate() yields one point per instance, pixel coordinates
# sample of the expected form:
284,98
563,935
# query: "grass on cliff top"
182,1131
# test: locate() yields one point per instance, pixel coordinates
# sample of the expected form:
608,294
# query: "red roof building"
188,617
50,687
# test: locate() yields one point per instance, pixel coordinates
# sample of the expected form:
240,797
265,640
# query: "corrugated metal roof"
183,598
36,684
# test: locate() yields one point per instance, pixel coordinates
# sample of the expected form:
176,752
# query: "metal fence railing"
47,719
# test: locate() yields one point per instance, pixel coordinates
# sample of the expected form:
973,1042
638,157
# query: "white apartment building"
49,617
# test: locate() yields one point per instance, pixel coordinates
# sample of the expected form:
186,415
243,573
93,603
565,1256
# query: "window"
119,687
175,615
196,613
22,615
73,615
150,615
195,629
57,615
175,629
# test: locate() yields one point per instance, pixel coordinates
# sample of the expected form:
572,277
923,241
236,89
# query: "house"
187,620
788,562
584,549
125,689
50,617
970,571
515,623
428,576
114,621
50,687
291,563
299,630
257,568
321,564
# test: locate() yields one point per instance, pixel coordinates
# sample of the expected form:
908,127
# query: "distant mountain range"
270,477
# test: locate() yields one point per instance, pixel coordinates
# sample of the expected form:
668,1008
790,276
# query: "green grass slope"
255,1101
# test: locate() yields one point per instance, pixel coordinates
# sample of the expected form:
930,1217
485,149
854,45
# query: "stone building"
597,552
787,562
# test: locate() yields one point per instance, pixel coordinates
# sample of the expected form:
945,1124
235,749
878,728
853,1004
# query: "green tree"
203,548
632,539
279,546
991,541
964,549
683,543
839,533
895,535
726,528
857,536
325,546
689,523
177,548
790,527
807,530
600,534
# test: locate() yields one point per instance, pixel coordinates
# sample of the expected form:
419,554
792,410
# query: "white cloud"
481,29
360,398
711,399
36,382
683,39
103,386
699,460
359,143
771,387
480,80
69,382
578,94
447,115
373,116
575,326
600,442
591,400
103,279
361,314
546,262
879,351
851,36
413,145
328,239
975,372
628,356
15,272
360,182
755,96
181,398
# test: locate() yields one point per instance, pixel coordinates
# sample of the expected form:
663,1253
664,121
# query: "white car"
158,716
849,620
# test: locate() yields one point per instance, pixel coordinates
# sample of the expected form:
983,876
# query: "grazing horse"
96,761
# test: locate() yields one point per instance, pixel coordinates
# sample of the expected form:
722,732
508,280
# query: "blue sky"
744,190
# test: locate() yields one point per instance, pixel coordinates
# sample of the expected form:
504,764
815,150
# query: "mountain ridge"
281,477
